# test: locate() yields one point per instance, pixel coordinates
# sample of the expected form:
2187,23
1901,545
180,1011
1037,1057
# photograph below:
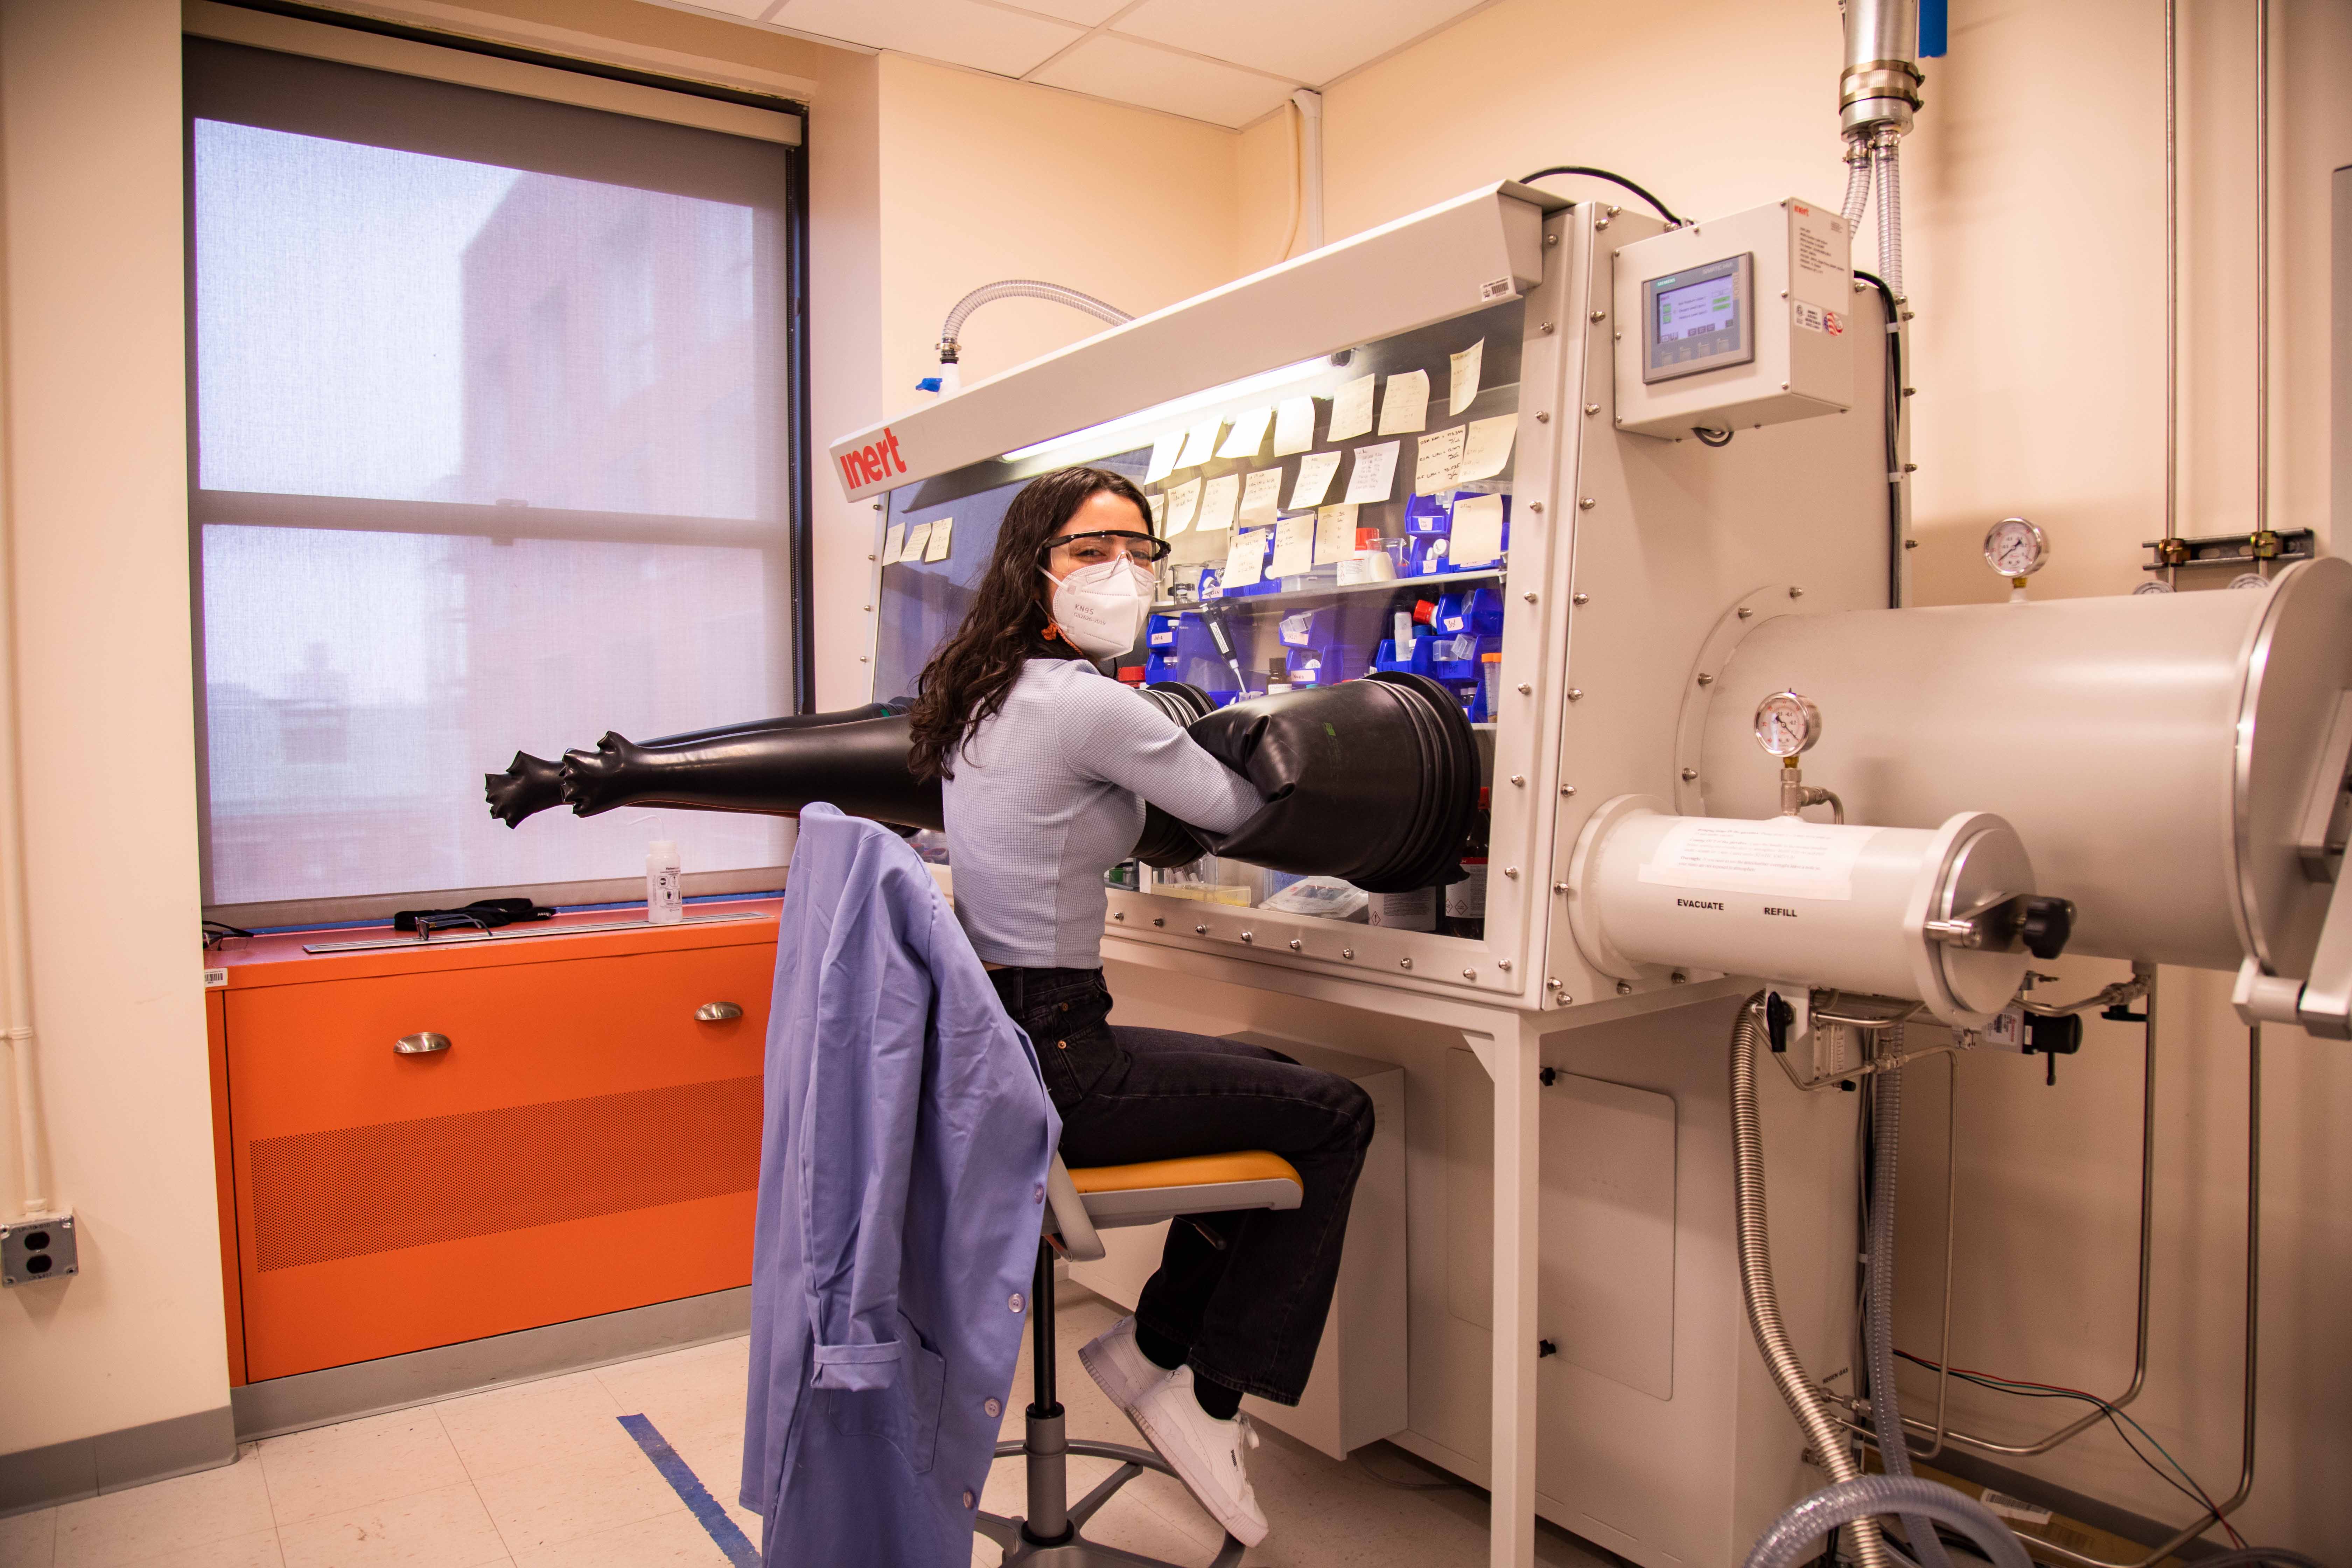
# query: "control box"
1735,322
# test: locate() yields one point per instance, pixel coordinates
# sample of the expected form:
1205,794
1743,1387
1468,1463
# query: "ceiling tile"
1310,40
957,31
1129,73
1087,13
738,10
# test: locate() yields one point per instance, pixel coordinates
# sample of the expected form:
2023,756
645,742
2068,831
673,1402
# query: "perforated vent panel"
351,1191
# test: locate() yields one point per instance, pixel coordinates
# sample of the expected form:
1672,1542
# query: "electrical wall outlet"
32,1250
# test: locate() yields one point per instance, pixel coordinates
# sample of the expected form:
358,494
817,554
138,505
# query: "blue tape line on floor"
696,1497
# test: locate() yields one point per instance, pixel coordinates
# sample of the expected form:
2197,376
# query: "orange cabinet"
584,1144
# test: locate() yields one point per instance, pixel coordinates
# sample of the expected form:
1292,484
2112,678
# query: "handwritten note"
1163,456
1489,446
1200,441
918,536
1294,545
1314,471
1438,463
894,544
936,549
1334,534
1245,559
1293,426
1183,501
1477,530
1218,500
1351,410
1261,496
1249,434
1374,475
1462,381
1405,407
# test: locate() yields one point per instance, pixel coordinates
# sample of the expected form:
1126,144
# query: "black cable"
2259,1557
217,933
2199,1496
1894,442
1603,174
1708,437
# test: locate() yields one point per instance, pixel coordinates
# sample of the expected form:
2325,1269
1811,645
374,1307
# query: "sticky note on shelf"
1293,426
1249,434
1314,471
1477,530
894,544
1261,496
1374,475
919,536
1334,534
1437,465
1404,408
1219,498
936,549
1245,559
1163,456
1351,410
1294,545
1461,378
1183,501
1200,441
1489,446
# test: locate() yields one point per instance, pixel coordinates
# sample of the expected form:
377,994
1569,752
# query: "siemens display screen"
1697,319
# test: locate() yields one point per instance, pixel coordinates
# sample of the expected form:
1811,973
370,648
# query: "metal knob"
716,1012
420,1045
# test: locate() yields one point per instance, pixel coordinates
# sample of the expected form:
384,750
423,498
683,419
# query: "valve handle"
2047,925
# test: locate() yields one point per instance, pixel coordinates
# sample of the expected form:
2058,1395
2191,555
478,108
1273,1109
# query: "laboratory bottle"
665,904
1465,900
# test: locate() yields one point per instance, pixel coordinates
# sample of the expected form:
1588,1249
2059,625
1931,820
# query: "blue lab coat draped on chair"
902,1169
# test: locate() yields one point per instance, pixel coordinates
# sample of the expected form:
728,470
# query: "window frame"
378,45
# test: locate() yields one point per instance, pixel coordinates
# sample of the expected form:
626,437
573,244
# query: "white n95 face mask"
1100,608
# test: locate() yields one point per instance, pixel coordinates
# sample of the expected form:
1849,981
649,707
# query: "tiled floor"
544,1476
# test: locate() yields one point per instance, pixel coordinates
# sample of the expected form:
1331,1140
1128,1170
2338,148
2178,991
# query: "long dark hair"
968,679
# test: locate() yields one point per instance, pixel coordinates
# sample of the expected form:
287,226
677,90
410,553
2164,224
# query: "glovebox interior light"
1108,436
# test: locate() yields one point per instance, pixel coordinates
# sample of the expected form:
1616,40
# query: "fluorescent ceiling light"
1106,438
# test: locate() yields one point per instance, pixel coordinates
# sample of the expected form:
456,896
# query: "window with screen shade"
492,417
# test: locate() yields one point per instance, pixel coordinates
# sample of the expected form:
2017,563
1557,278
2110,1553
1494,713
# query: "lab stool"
1082,1202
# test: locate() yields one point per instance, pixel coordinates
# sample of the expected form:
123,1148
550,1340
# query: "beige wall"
96,501
2034,189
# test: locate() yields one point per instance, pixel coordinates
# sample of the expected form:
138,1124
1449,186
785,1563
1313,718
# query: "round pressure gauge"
1787,723
2016,548
2249,580
2153,586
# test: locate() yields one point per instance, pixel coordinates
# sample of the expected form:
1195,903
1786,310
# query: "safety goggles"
1074,550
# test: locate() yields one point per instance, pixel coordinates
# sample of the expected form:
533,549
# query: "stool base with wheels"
1082,1202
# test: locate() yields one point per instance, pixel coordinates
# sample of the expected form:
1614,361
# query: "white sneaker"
1205,1452
1118,1366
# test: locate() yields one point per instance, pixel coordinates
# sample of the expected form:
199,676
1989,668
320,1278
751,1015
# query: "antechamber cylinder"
1839,907
2154,752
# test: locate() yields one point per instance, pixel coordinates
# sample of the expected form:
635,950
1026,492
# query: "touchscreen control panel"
1699,319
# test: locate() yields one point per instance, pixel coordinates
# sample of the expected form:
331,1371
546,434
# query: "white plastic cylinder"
1838,908
2154,751
665,894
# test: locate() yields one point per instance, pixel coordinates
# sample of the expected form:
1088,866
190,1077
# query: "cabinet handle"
420,1045
716,1012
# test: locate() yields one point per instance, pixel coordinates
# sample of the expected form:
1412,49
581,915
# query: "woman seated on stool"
1045,764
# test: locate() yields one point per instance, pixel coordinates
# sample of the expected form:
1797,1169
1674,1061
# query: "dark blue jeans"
1251,1303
